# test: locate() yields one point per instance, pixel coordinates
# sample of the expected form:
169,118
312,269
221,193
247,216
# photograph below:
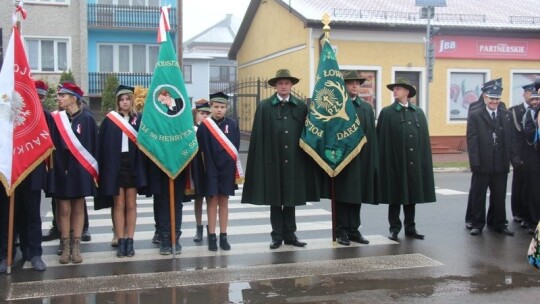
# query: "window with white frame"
464,89
186,71
130,2
520,79
127,58
47,54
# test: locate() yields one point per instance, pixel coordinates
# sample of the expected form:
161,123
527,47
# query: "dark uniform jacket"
489,153
110,160
219,169
518,137
359,181
276,166
71,180
406,163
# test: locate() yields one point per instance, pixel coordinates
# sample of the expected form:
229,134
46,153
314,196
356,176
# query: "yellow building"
385,39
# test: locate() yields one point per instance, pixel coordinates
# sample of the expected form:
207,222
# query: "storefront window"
518,81
368,89
464,89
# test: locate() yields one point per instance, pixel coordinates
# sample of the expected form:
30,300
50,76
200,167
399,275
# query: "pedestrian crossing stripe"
101,257
198,277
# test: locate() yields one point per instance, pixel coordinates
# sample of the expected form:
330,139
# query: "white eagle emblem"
17,115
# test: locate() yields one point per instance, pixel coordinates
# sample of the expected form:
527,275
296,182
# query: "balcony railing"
96,81
126,16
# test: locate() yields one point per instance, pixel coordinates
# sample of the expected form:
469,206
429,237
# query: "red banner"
460,47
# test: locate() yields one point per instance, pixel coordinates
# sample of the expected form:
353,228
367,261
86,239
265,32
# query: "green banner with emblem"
332,135
166,134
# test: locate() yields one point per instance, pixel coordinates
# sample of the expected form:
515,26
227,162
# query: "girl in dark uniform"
220,170
122,166
74,181
201,112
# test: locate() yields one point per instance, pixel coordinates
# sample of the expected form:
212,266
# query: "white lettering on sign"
447,45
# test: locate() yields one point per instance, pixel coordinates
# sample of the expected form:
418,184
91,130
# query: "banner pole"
10,232
173,217
333,200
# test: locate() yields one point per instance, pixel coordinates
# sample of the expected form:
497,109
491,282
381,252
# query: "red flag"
25,140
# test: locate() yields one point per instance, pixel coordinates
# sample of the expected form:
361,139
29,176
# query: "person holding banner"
123,169
219,141
406,164
276,166
75,169
358,183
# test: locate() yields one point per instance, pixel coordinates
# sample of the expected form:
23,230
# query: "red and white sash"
87,161
227,145
124,125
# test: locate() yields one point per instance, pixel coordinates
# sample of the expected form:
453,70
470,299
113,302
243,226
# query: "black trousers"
347,219
4,220
163,207
518,200
532,197
283,220
496,183
468,212
28,220
408,221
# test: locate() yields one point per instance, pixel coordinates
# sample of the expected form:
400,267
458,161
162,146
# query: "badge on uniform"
79,128
226,129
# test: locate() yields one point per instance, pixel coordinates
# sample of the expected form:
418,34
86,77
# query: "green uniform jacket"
406,164
276,166
359,180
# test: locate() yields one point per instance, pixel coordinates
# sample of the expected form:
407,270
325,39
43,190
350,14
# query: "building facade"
55,37
384,40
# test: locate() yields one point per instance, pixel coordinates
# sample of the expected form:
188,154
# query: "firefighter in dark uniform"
519,178
532,162
474,106
489,142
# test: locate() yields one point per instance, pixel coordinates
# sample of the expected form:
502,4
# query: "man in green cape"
276,166
358,182
406,164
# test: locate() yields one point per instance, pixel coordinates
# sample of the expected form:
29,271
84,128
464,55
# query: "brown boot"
76,257
64,245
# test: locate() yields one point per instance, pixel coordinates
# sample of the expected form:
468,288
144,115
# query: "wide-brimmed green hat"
404,83
283,74
351,75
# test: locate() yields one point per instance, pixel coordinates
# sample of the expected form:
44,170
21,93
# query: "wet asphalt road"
449,266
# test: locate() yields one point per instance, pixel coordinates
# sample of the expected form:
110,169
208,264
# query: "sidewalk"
451,158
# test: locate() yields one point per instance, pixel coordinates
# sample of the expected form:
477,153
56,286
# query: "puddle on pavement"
316,289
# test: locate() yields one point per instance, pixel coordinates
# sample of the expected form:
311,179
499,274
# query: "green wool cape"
276,166
405,159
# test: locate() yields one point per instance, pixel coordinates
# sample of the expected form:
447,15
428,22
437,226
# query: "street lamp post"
427,12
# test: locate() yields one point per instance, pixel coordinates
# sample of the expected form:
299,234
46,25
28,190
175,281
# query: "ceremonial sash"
125,126
227,145
87,161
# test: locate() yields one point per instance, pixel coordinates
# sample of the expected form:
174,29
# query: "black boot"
129,251
199,234
223,243
212,242
121,250
165,245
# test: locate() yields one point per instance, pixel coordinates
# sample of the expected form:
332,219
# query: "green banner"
332,135
166,134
